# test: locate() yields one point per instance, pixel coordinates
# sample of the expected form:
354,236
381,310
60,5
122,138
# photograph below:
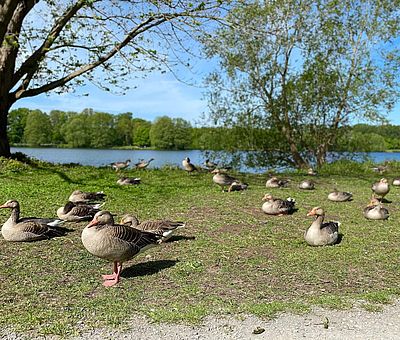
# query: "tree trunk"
4,144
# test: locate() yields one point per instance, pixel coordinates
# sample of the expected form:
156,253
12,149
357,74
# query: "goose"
375,211
76,212
311,172
210,165
28,229
142,164
319,233
237,186
381,168
223,179
275,182
340,196
128,181
165,228
277,206
120,165
114,242
189,167
396,182
86,197
307,185
381,188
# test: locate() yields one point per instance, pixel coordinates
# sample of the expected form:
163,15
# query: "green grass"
230,259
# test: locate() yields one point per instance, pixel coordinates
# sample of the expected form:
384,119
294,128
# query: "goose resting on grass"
340,196
165,228
275,182
29,229
115,242
375,211
86,197
128,181
319,233
76,212
307,185
277,206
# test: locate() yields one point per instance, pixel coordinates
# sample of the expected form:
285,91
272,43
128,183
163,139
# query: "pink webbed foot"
110,283
108,276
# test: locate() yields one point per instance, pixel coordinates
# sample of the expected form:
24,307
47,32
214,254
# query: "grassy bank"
231,258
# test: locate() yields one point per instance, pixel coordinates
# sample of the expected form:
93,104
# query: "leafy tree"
141,132
37,129
58,119
123,128
304,69
101,130
162,133
182,133
55,45
76,131
16,124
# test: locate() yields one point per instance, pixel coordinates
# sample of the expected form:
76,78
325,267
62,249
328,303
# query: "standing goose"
164,228
76,212
120,165
128,181
307,185
340,196
319,233
142,164
375,211
29,229
188,166
277,206
381,188
275,182
114,242
223,179
86,197
210,165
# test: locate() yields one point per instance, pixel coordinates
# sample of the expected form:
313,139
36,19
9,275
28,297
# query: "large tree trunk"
4,144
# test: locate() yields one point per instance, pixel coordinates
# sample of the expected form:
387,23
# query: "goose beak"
92,223
311,213
4,206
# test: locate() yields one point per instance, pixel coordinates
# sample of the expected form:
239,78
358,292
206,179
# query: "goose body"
311,172
164,228
210,165
307,185
340,196
17,229
396,182
223,179
188,166
75,212
375,211
86,197
320,233
381,188
237,186
120,165
277,206
113,242
128,181
142,164
275,182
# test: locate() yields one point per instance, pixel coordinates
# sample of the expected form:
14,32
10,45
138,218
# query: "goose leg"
111,276
115,280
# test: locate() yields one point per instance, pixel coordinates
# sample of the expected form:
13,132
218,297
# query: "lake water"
104,157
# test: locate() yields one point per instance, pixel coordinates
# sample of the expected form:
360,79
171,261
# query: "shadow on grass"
340,238
147,268
180,238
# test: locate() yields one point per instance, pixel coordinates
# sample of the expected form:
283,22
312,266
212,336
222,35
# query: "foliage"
141,132
37,129
16,125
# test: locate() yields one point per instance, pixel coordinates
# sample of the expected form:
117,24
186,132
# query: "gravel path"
349,324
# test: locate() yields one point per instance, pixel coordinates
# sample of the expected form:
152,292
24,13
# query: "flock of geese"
119,242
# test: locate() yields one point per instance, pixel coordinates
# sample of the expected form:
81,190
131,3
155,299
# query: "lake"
104,157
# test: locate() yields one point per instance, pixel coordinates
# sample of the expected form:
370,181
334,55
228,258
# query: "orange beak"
92,223
311,213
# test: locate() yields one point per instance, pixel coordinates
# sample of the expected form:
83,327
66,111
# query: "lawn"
231,258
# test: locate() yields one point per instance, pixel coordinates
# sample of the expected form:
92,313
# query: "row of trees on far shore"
91,129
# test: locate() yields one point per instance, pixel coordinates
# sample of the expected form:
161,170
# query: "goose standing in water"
188,166
277,206
128,181
307,185
28,229
320,233
120,165
340,196
86,197
275,182
115,242
375,211
165,228
381,188
142,164
76,212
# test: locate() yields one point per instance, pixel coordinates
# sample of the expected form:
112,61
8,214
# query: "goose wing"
330,227
160,226
36,229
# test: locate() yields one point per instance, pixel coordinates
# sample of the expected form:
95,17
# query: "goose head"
316,211
101,218
216,171
383,180
11,204
129,219
267,197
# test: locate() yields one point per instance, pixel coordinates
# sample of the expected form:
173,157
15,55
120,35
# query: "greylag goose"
275,182
114,242
210,165
165,228
76,212
237,186
340,196
381,188
128,181
120,165
223,179
307,185
277,206
375,211
319,233
28,229
188,166
396,182
381,168
142,164
86,197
